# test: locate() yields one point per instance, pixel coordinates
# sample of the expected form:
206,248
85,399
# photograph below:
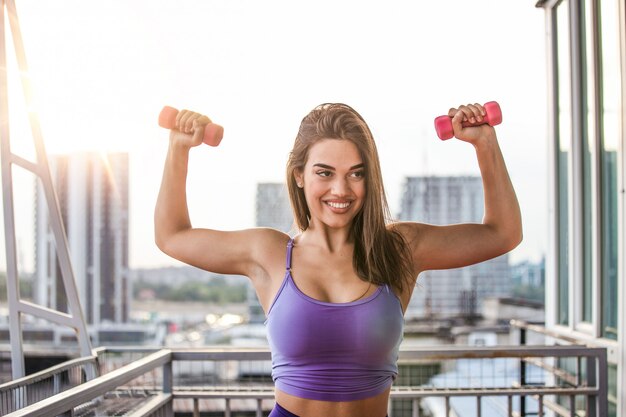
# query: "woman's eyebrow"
319,164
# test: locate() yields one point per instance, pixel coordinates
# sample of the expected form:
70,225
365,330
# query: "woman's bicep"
452,246
221,252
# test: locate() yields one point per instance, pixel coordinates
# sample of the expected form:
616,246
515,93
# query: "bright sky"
102,71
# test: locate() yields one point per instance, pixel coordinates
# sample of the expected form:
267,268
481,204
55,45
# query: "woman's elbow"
513,239
163,237
160,243
163,243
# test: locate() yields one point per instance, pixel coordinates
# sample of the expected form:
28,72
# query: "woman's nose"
340,187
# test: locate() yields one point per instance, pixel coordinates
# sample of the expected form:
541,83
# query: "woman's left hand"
463,120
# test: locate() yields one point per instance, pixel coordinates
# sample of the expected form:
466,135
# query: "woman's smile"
338,206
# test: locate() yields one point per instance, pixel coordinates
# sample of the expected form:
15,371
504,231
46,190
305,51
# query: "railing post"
227,408
416,407
259,407
196,407
56,383
19,398
602,405
592,400
167,377
522,373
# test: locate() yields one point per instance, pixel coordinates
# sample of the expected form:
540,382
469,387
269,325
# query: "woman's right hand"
189,129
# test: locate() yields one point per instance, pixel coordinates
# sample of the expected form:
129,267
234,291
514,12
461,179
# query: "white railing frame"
595,389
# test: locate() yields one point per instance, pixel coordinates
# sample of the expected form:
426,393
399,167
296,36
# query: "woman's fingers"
189,128
189,122
471,113
185,120
477,111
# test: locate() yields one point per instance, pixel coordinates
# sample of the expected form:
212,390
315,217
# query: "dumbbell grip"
493,116
213,133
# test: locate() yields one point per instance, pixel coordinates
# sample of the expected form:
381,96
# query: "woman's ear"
299,178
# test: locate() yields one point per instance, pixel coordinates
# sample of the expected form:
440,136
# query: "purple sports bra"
333,351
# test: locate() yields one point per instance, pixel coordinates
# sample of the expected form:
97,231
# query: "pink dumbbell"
213,133
443,124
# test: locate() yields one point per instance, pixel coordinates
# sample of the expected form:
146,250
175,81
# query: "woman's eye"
358,174
324,173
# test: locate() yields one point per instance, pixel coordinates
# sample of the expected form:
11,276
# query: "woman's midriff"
368,407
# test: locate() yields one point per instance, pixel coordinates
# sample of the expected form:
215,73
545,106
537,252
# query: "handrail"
475,352
60,403
423,352
522,324
46,373
405,392
562,334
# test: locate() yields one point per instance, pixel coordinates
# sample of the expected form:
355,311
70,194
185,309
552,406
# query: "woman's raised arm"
236,252
453,246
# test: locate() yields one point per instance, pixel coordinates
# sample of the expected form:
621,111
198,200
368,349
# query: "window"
564,121
610,101
589,153
586,198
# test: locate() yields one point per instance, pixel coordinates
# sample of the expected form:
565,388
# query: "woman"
335,295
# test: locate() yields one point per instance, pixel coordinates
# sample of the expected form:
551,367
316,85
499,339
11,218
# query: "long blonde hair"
381,255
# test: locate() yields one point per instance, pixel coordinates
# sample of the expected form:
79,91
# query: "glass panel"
612,394
611,88
588,151
564,123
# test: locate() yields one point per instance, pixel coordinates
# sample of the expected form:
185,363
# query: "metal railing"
464,380
537,333
38,386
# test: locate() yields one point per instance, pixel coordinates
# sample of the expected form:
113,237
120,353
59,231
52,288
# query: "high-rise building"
273,208
453,292
92,190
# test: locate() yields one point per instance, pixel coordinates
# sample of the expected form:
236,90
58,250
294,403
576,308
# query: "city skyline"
255,76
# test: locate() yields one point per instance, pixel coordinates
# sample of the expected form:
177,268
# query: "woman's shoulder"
410,231
268,242
268,248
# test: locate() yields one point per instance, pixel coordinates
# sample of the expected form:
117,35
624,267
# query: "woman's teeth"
337,205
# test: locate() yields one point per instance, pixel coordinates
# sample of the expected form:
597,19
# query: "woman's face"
333,179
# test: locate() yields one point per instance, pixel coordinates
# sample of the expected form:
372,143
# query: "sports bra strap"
289,249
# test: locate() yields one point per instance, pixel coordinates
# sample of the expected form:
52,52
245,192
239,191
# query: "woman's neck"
330,239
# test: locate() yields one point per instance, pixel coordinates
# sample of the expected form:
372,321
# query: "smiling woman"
347,276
